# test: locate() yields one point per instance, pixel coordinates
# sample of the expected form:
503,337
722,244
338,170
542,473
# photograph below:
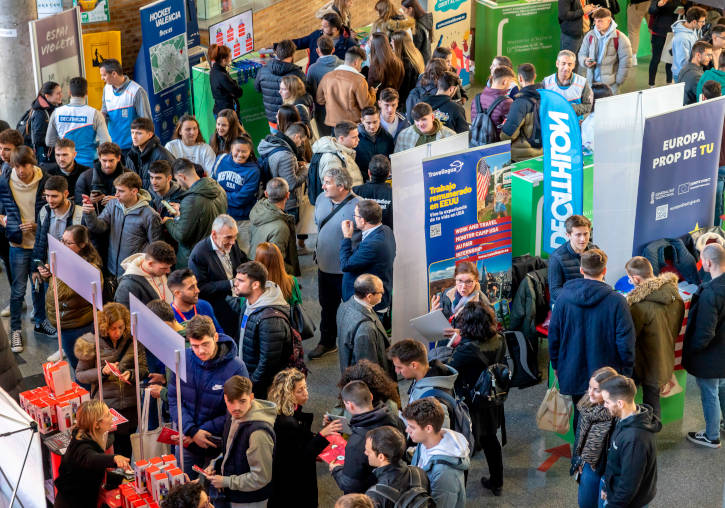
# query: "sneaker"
54,357
701,439
6,311
486,482
16,341
634,60
320,351
45,328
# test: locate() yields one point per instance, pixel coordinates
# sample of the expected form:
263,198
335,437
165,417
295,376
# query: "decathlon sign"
563,166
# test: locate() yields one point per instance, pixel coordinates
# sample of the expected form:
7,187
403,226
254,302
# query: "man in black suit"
214,261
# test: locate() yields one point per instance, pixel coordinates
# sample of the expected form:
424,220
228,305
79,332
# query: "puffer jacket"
368,147
40,248
270,224
240,183
595,428
116,393
40,113
519,126
657,311
564,265
9,208
202,394
130,230
11,380
703,352
672,248
616,62
75,311
282,160
200,205
361,336
267,83
334,153
139,161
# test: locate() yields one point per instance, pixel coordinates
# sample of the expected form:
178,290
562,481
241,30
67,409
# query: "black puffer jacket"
39,119
703,352
571,17
139,161
267,83
224,89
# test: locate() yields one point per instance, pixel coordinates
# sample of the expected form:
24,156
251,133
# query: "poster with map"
164,63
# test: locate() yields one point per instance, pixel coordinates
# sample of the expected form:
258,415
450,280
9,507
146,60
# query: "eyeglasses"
357,216
68,243
461,282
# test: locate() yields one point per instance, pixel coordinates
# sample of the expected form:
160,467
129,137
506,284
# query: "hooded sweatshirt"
25,195
445,464
272,296
682,42
451,114
440,376
270,224
132,267
334,153
240,182
602,39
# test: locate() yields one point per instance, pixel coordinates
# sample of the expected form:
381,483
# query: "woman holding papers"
467,289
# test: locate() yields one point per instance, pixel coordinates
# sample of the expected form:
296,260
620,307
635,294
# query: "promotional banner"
97,47
678,172
93,11
48,7
236,33
452,29
164,59
563,166
57,48
468,218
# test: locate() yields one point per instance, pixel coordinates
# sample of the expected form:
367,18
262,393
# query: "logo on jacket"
217,387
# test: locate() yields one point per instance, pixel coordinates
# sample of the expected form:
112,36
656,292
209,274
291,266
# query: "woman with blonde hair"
271,257
116,351
339,7
412,60
297,447
293,92
83,466
386,69
228,128
389,19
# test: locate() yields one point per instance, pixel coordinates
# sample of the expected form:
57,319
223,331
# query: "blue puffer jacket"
9,208
240,182
267,83
564,265
309,42
591,327
672,248
202,394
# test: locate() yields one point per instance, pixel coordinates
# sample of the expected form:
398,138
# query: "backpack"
535,140
459,414
483,130
522,359
492,386
314,182
616,39
297,356
265,172
23,128
416,496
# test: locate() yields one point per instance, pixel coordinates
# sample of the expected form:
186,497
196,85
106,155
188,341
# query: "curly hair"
187,495
477,322
113,312
381,386
282,390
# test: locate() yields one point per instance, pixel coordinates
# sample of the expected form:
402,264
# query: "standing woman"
663,17
481,346
592,439
389,20
49,98
227,129
116,349
296,447
271,257
466,289
339,7
293,93
412,63
386,69
427,84
83,466
423,31
286,116
188,143
224,90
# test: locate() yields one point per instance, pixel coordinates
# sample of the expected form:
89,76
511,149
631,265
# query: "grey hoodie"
334,153
440,376
445,464
132,266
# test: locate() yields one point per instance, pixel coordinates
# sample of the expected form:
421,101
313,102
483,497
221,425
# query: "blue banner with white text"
166,63
563,166
678,172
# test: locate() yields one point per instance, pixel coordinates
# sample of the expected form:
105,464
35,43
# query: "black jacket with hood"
139,161
267,83
39,119
451,114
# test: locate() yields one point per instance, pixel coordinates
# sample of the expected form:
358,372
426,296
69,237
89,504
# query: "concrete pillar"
17,86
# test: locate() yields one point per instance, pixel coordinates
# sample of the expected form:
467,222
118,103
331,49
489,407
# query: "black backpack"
265,172
415,497
297,354
23,128
314,182
522,359
483,130
535,140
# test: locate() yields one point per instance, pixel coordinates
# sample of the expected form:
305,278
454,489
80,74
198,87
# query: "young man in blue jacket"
211,359
565,261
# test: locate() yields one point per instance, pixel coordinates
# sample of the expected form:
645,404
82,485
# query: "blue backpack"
459,414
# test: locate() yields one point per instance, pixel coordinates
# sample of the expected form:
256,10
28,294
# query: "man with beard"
186,303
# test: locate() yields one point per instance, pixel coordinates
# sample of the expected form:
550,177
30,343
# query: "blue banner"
165,63
678,172
468,218
563,166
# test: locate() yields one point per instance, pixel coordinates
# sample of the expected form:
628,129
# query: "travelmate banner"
468,218
678,172
166,63
563,166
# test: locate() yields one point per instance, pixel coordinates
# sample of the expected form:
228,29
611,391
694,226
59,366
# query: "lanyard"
161,291
181,316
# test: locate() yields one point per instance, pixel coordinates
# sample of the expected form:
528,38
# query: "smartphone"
86,199
216,440
345,424
169,208
199,470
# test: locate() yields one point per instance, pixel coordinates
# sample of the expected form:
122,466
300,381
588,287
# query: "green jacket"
200,205
710,74
270,224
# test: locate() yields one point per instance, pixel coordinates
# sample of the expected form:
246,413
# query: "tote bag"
151,447
554,412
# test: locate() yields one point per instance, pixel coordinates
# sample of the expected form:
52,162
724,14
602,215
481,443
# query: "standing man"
66,166
327,61
565,261
691,74
521,127
573,87
425,129
330,25
445,109
335,205
145,274
703,352
606,53
186,302
269,77
338,151
571,20
214,261
123,101
374,140
686,32
79,122
162,187
97,182
146,149
377,188
392,121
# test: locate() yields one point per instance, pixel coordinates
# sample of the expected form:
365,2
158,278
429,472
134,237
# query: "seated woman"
188,143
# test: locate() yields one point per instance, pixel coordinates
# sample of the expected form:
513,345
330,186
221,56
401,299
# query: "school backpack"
522,359
616,39
314,182
535,140
458,411
483,130
492,386
23,127
297,356
265,172
416,496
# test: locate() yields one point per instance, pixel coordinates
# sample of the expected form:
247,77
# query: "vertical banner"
563,166
166,63
93,11
678,172
452,29
97,47
468,218
57,48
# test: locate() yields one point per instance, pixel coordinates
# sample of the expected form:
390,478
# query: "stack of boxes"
51,410
154,479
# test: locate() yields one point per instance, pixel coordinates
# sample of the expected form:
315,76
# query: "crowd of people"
205,235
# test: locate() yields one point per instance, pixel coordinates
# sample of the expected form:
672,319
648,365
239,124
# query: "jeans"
718,194
570,43
602,502
68,338
588,487
20,270
330,288
712,394
651,397
494,458
658,44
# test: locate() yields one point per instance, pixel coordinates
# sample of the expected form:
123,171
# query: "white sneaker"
634,60
54,357
16,341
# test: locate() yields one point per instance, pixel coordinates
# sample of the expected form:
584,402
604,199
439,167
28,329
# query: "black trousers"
658,44
574,400
330,296
651,396
494,457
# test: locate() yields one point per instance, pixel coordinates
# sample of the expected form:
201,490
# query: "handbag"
301,322
554,412
149,438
